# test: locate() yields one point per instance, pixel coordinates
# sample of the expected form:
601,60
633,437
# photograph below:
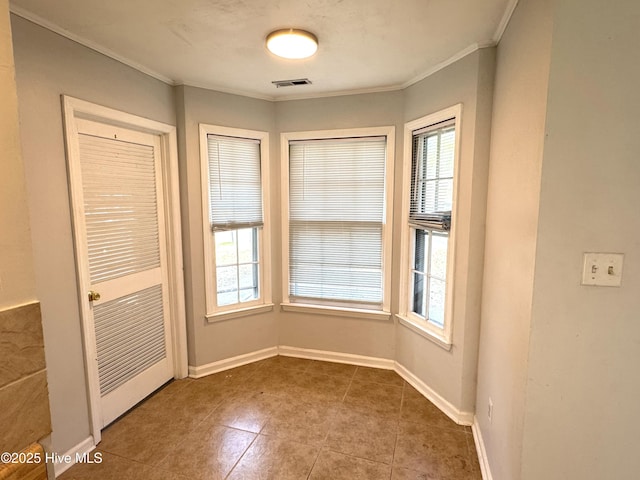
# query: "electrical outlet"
490,410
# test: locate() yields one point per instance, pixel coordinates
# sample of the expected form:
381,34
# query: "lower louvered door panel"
129,336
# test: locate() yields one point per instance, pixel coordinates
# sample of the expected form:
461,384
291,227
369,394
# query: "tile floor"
286,418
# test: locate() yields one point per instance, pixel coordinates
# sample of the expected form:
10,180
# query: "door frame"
74,108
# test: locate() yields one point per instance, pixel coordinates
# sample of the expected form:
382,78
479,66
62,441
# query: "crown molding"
33,18
504,22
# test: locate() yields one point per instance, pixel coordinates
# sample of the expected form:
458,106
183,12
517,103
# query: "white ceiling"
365,45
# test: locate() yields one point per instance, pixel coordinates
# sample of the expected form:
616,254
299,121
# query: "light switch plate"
602,269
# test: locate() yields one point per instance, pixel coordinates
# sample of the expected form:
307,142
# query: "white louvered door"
123,250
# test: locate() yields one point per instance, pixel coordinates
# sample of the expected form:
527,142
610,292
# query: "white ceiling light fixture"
292,43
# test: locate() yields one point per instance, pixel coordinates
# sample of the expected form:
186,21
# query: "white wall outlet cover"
602,269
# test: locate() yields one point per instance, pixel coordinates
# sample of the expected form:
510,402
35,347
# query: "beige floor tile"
316,387
364,436
377,375
439,452
271,458
188,406
301,422
275,380
374,398
336,466
113,467
244,411
270,420
142,437
473,455
231,378
332,368
173,386
406,474
208,453
285,362
417,409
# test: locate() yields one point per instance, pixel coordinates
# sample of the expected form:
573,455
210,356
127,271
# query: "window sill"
421,328
242,312
336,311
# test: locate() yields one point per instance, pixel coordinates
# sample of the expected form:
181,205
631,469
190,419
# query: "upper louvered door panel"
121,207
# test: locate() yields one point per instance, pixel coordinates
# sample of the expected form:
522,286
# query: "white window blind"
336,216
235,193
432,176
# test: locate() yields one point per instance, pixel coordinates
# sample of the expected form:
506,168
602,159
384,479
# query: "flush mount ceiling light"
292,43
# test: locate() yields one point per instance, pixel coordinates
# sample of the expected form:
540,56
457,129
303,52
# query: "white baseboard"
226,364
336,357
458,416
480,448
84,447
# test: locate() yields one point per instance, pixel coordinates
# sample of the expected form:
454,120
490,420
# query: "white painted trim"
173,227
85,446
339,93
337,357
336,311
74,109
444,64
233,362
458,416
504,22
32,17
421,327
481,450
229,91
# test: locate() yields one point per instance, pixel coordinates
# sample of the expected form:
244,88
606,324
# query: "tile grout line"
349,386
254,438
395,445
242,456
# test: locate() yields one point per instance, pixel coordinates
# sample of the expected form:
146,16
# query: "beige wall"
517,142
470,82
48,65
210,342
17,280
582,406
23,380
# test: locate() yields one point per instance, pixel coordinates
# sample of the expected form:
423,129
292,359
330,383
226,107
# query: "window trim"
440,336
213,312
387,227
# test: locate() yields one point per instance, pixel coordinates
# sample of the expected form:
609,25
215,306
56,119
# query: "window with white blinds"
235,189
234,180
336,221
431,187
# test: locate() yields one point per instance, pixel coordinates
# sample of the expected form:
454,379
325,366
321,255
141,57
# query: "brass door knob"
94,296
